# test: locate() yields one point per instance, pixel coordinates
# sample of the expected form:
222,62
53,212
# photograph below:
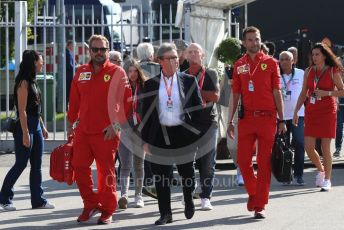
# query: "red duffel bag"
60,163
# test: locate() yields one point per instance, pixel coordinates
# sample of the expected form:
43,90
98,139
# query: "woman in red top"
322,83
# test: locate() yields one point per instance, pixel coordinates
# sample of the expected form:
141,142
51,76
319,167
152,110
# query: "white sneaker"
326,186
7,207
206,205
239,179
138,203
319,179
46,206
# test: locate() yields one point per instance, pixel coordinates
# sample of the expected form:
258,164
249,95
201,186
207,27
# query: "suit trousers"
178,137
261,129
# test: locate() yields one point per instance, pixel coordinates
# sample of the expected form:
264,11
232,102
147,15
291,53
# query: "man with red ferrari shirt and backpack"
256,80
99,102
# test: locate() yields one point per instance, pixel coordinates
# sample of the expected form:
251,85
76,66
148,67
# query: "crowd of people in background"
166,117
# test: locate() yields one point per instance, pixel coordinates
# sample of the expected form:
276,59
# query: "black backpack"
282,160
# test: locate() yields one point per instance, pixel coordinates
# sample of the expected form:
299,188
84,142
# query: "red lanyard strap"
201,79
168,89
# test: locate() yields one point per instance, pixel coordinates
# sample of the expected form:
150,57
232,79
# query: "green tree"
10,41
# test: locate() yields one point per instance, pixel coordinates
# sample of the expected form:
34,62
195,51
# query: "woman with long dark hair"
131,147
28,135
322,83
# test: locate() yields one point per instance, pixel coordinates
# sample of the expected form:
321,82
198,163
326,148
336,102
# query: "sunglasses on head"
96,49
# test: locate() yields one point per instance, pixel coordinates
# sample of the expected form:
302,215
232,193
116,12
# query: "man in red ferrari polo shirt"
99,102
256,80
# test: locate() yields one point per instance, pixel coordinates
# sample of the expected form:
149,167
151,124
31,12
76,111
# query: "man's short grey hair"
145,51
292,49
114,53
288,53
164,48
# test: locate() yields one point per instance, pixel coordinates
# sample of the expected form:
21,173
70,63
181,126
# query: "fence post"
187,22
20,31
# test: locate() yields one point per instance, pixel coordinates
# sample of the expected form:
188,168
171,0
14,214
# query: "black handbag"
282,160
241,108
10,123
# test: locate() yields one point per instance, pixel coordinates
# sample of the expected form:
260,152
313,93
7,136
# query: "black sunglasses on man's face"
96,49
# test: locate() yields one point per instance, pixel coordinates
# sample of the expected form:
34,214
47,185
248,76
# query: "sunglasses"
96,49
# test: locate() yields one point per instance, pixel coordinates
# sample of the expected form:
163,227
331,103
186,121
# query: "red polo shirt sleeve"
276,78
120,100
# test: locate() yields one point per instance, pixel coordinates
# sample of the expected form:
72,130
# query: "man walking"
208,83
170,107
96,137
256,80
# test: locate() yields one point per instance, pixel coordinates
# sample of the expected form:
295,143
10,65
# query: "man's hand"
230,130
109,133
69,129
146,148
282,128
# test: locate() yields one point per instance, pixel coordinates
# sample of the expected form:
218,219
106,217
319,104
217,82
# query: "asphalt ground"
290,207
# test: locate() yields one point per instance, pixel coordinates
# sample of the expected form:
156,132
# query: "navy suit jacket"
191,101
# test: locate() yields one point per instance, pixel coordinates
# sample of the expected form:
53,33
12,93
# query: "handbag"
61,168
10,123
282,160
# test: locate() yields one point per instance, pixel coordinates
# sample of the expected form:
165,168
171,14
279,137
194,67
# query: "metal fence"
124,25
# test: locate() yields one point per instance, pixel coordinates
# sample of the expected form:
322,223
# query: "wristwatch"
116,127
281,121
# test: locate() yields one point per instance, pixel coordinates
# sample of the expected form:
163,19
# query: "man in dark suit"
171,106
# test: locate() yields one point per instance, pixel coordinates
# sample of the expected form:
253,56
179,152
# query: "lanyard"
201,79
168,89
134,104
287,84
316,78
249,71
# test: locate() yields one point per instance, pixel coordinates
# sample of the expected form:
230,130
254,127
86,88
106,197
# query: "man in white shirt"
170,126
292,80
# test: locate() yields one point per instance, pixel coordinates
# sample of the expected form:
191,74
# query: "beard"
99,60
254,49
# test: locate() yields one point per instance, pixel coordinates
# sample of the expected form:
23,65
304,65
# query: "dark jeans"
340,121
206,161
298,143
23,155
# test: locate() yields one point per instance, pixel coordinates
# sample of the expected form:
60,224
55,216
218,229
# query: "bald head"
194,54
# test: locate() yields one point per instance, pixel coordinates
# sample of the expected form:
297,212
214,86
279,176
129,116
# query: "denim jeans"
298,143
340,121
206,161
22,156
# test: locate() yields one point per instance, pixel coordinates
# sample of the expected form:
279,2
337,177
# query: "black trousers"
178,136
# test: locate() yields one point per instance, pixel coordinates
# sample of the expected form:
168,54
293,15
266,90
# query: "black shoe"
196,196
150,191
336,153
189,210
259,214
164,219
